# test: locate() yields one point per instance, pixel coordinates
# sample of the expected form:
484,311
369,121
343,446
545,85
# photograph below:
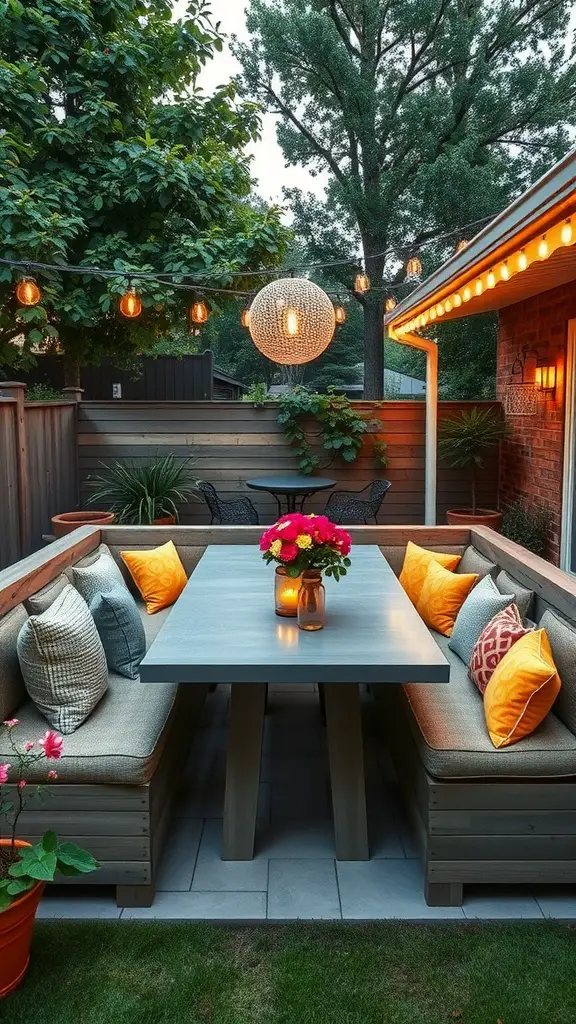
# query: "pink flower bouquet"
300,543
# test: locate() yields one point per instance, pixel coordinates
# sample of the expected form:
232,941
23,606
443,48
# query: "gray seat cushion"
523,598
449,728
12,688
562,637
473,561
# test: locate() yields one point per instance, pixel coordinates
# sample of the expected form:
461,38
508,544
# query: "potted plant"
25,868
66,522
146,493
464,441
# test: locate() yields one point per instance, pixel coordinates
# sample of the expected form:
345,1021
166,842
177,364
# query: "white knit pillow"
97,578
63,661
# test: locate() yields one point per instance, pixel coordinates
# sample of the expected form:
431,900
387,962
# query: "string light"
566,232
131,303
461,244
391,303
457,299
362,283
414,269
439,309
199,312
447,305
522,260
340,314
504,271
245,317
466,295
28,292
543,248
479,287
491,279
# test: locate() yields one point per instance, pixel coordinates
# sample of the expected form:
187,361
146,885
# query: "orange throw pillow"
415,567
443,594
159,575
522,689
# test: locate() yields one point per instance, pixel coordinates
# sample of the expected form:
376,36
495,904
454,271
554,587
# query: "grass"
144,973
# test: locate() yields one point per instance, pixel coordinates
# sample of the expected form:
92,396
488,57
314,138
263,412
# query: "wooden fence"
38,469
233,442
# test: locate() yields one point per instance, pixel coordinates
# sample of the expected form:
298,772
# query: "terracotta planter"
66,522
16,926
165,521
466,517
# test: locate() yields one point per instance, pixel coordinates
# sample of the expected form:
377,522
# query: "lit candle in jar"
286,593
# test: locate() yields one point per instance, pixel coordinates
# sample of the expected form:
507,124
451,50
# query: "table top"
290,484
223,628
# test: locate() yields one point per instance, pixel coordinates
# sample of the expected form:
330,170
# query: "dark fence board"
9,521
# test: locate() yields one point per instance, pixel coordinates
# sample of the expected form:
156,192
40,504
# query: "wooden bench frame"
468,831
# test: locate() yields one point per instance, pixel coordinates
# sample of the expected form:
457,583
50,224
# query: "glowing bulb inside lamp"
292,322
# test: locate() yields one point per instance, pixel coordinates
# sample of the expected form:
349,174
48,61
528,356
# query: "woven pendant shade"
292,321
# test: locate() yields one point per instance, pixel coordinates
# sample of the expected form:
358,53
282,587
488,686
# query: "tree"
427,114
111,157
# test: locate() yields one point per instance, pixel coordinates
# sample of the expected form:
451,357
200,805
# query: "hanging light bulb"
432,313
245,317
199,312
28,292
340,314
462,244
447,305
362,283
466,295
457,299
522,260
543,248
414,269
439,309
566,233
479,287
504,271
390,304
491,279
130,303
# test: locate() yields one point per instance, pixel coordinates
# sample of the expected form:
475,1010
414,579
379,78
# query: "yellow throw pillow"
521,690
443,594
159,575
416,562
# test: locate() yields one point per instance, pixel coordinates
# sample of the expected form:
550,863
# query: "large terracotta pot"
16,926
482,517
66,522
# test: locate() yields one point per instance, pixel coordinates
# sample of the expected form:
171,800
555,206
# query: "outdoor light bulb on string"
414,269
362,283
461,245
199,312
130,303
566,233
28,292
339,313
245,317
390,304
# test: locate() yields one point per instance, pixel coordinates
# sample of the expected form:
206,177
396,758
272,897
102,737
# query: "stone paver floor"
294,873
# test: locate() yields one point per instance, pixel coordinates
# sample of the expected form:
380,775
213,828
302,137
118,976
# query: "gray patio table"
223,629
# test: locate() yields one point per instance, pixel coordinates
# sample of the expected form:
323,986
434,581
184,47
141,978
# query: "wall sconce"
545,378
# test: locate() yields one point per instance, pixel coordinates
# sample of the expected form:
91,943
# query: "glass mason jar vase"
312,601
286,590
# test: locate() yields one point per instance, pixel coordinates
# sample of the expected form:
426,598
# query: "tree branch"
342,31
310,138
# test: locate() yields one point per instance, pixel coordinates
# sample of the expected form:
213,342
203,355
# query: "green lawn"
142,973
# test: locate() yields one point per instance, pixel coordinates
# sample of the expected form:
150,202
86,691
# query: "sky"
268,166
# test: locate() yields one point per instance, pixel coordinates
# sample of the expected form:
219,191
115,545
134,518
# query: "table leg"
344,732
246,723
290,503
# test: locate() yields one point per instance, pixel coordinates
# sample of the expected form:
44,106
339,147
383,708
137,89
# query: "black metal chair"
237,512
348,508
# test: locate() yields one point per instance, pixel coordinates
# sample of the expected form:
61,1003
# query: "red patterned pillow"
498,637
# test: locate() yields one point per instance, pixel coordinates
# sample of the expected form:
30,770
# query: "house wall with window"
532,458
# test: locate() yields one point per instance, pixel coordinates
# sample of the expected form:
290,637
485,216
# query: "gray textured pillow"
42,599
479,608
473,561
63,661
12,689
97,578
121,630
562,637
523,597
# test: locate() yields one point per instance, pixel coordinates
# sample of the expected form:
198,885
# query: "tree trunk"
374,348
71,372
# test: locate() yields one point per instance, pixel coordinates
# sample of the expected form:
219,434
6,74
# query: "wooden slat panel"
504,847
19,581
52,464
9,524
519,872
496,795
500,823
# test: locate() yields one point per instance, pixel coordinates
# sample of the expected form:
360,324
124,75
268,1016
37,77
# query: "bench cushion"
562,637
42,599
448,725
12,688
474,561
523,598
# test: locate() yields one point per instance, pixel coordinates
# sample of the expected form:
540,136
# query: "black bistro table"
223,629
290,487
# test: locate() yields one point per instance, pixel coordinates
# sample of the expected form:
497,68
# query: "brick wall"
532,459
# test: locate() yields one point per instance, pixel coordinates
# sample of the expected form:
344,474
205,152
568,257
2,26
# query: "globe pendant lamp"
292,321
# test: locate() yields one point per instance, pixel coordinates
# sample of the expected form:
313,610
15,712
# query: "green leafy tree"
111,157
427,114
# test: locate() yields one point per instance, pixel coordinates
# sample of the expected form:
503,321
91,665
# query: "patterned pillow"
121,630
97,578
443,594
479,608
63,662
415,567
158,573
494,642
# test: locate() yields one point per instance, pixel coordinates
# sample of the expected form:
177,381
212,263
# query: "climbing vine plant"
338,423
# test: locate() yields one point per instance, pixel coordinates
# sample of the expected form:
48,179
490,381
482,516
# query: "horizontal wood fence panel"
231,442
52,464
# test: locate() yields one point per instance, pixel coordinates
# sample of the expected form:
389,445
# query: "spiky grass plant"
140,493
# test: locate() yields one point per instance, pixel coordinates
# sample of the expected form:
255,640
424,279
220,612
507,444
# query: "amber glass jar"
312,601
